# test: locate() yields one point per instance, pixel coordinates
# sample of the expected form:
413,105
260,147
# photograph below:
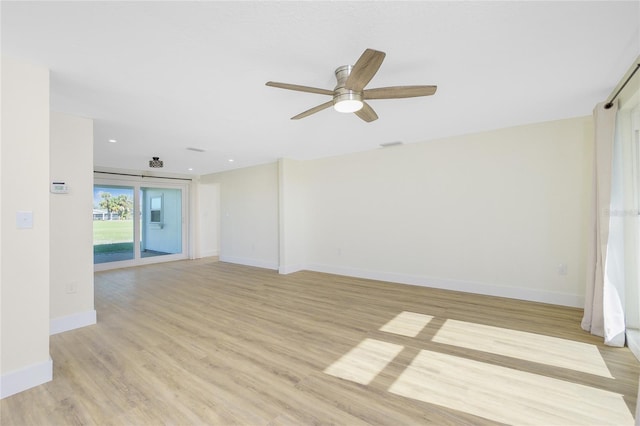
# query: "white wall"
248,215
494,213
71,269
24,265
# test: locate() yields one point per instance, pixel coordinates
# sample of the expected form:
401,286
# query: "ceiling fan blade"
299,88
399,92
313,110
364,70
367,113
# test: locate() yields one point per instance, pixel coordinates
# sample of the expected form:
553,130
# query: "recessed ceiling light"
190,168
231,160
112,141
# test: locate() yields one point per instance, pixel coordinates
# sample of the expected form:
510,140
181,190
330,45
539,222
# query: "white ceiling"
160,77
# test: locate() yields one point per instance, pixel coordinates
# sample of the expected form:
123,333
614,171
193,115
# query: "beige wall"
207,218
248,215
24,265
495,212
71,270
294,216
499,212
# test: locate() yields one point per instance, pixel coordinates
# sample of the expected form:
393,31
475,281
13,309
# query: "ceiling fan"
350,94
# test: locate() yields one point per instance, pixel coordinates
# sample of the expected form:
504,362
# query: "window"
628,214
155,213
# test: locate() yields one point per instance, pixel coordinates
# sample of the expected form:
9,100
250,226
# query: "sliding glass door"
112,223
137,223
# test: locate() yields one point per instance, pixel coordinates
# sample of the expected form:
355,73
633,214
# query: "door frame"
148,182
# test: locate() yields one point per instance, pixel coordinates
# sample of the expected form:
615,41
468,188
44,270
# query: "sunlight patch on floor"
364,362
538,348
506,395
406,323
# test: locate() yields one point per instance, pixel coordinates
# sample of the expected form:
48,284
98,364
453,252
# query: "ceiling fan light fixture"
156,163
347,101
349,105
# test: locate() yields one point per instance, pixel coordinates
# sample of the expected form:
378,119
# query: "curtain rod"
610,103
141,176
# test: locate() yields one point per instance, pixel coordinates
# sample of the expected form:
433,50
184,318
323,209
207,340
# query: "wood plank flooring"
206,342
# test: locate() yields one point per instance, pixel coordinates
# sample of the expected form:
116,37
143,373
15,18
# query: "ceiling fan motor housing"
342,94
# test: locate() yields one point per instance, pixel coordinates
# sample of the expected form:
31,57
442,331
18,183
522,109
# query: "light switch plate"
24,220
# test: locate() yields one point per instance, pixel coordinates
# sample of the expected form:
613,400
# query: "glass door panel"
113,228
160,221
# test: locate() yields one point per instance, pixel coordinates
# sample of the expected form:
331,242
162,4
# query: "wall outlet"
562,269
71,288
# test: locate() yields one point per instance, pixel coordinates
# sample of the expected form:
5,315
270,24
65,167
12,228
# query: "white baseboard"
258,263
633,341
209,253
71,322
520,293
284,270
26,378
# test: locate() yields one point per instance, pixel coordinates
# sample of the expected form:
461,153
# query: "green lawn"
112,231
113,248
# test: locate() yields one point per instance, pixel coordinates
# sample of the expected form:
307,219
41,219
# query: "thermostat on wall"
59,188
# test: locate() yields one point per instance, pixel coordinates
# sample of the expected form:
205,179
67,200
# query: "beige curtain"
603,313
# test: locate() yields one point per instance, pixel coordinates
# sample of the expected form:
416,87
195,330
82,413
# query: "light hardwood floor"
206,342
